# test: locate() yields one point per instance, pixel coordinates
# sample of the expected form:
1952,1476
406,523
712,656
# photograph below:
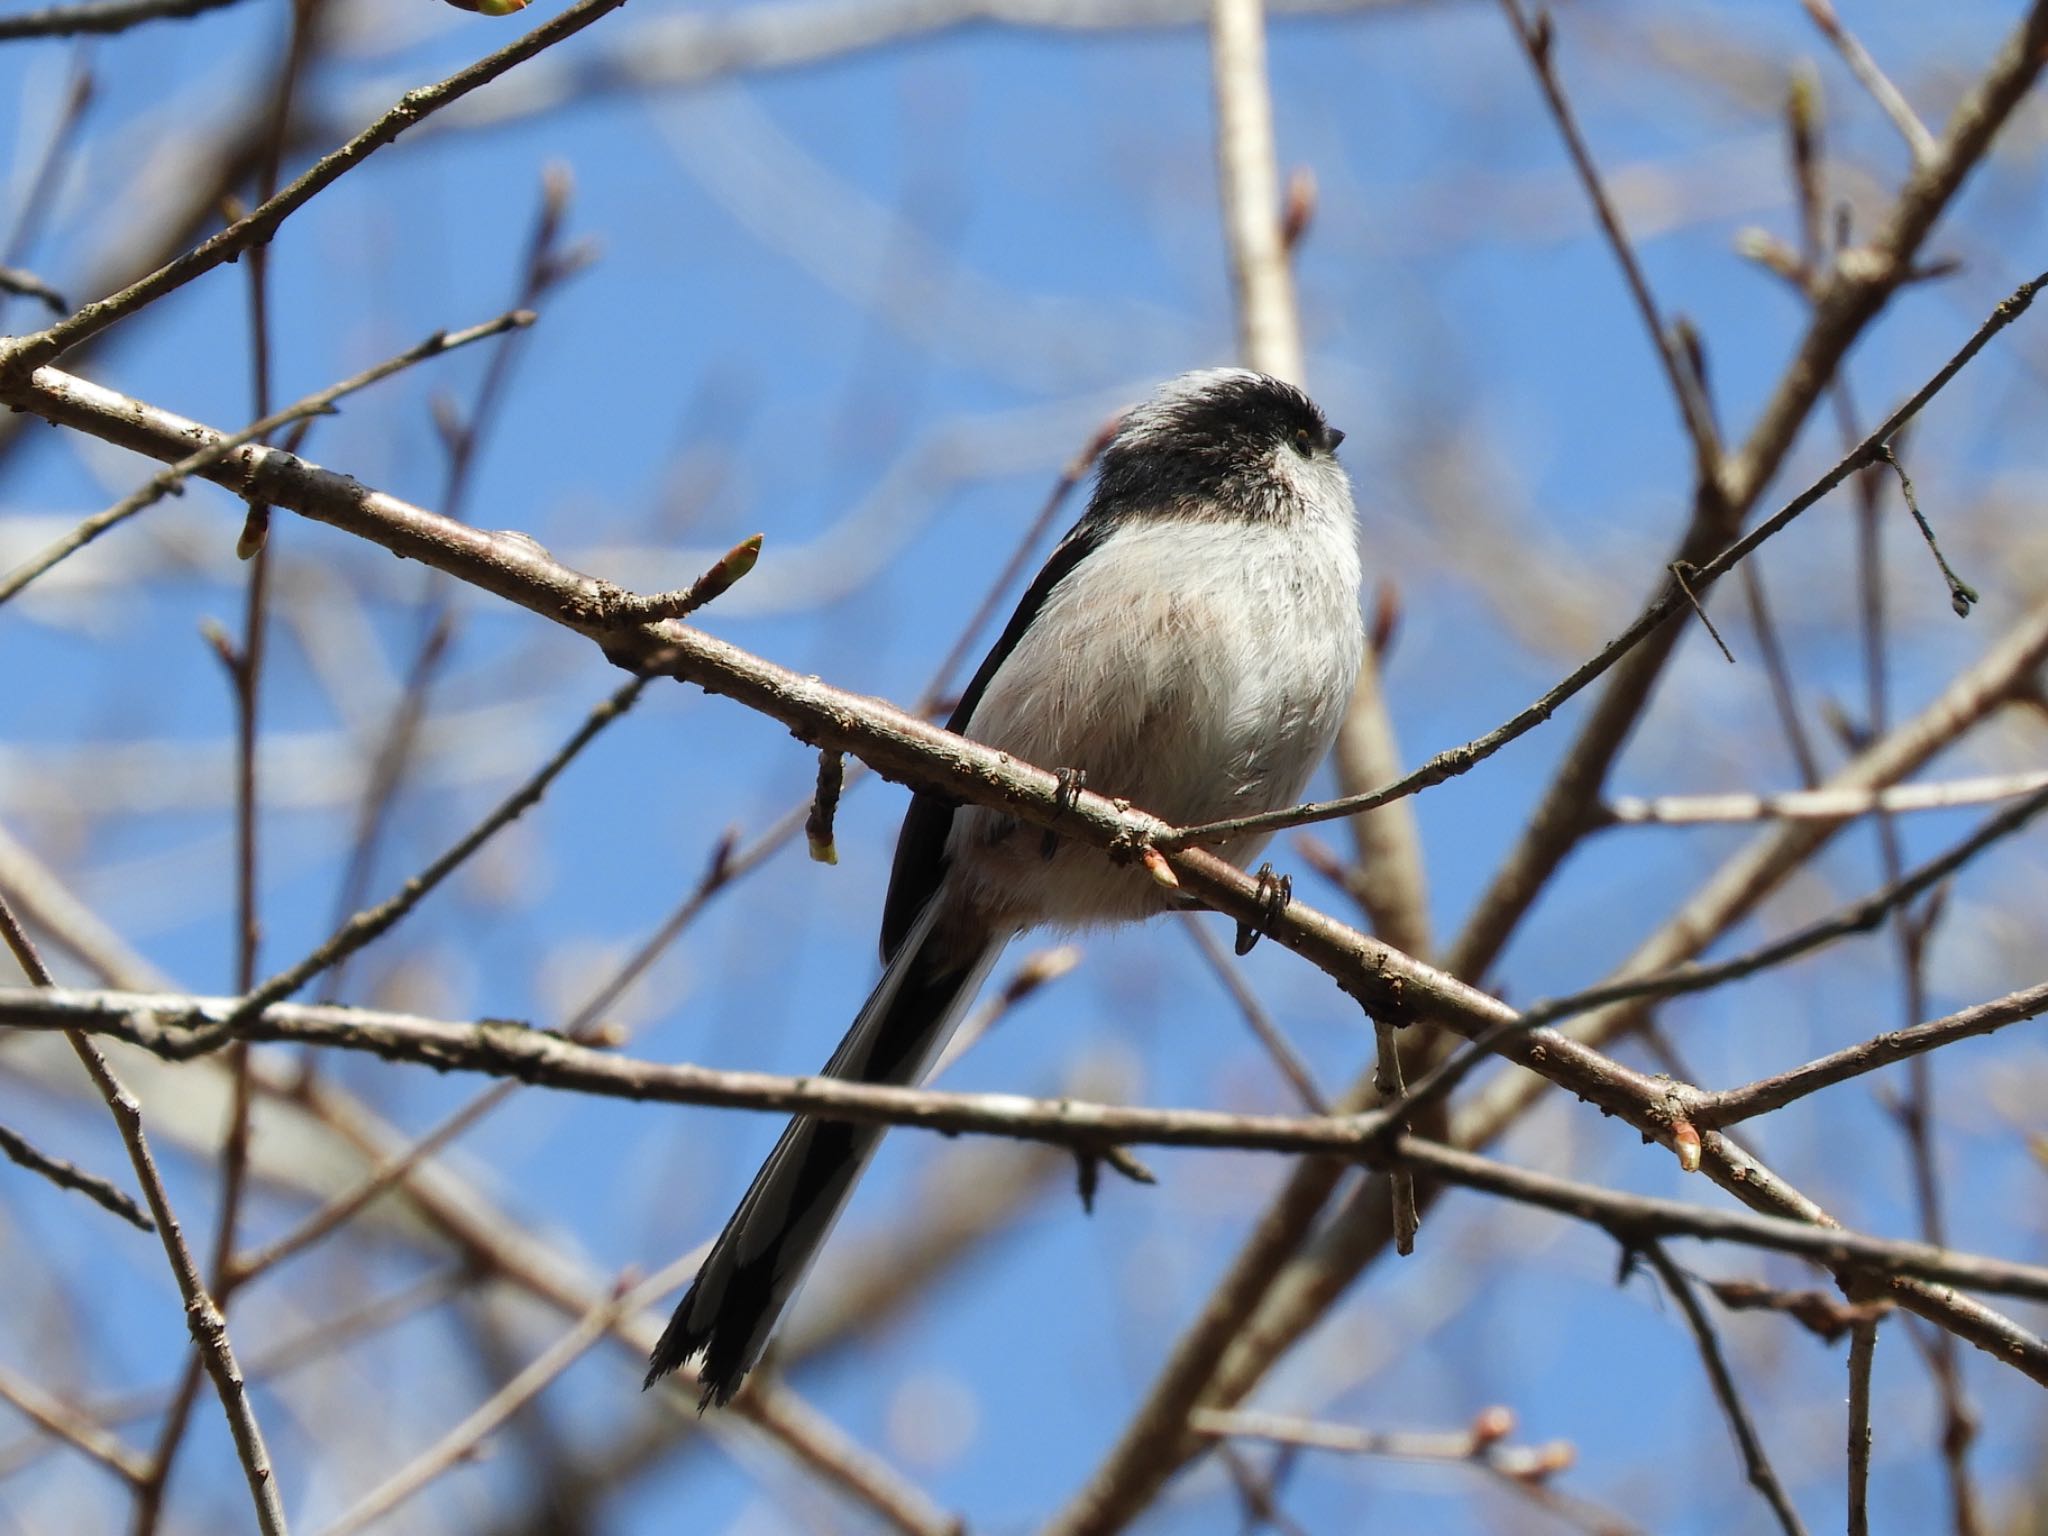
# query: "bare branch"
74,1427
101,17
202,1316
1821,804
507,1049
1525,1470
1268,326
1538,42
1689,978
1862,1355
23,1152
1754,1461
901,746
1861,282
1874,80
1481,1444
1270,1296
463,1439
1766,1094
172,481
367,926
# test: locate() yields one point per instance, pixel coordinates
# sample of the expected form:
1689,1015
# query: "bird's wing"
921,845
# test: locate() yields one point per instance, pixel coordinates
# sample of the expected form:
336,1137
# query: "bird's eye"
1303,442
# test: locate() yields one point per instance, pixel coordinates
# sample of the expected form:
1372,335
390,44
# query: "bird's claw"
1275,892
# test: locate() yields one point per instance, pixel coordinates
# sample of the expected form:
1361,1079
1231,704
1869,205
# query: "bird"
1190,646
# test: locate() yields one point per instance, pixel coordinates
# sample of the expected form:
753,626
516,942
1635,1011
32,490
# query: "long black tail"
768,1245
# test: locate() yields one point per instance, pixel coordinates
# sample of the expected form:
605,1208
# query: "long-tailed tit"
1190,647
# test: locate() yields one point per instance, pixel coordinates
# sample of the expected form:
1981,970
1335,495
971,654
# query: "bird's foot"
1275,892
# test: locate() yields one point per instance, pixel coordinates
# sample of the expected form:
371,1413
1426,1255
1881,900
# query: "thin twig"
74,1427
1692,977
1277,1046
1822,1313
1526,1471
1481,1445
1732,1105
65,1175
1679,568
202,1317
18,358
101,17
1919,141
1537,41
462,1441
1390,1078
1862,1353
1754,1462
373,922
1962,597
170,481
1820,804
729,568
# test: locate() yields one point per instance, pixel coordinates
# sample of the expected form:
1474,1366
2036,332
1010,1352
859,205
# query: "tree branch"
505,1048
100,17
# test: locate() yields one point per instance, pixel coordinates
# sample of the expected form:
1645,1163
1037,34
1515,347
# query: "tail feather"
767,1246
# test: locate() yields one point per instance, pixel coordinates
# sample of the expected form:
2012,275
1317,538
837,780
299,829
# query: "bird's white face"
1315,480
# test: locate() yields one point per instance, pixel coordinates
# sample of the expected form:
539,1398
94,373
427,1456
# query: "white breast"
1197,668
